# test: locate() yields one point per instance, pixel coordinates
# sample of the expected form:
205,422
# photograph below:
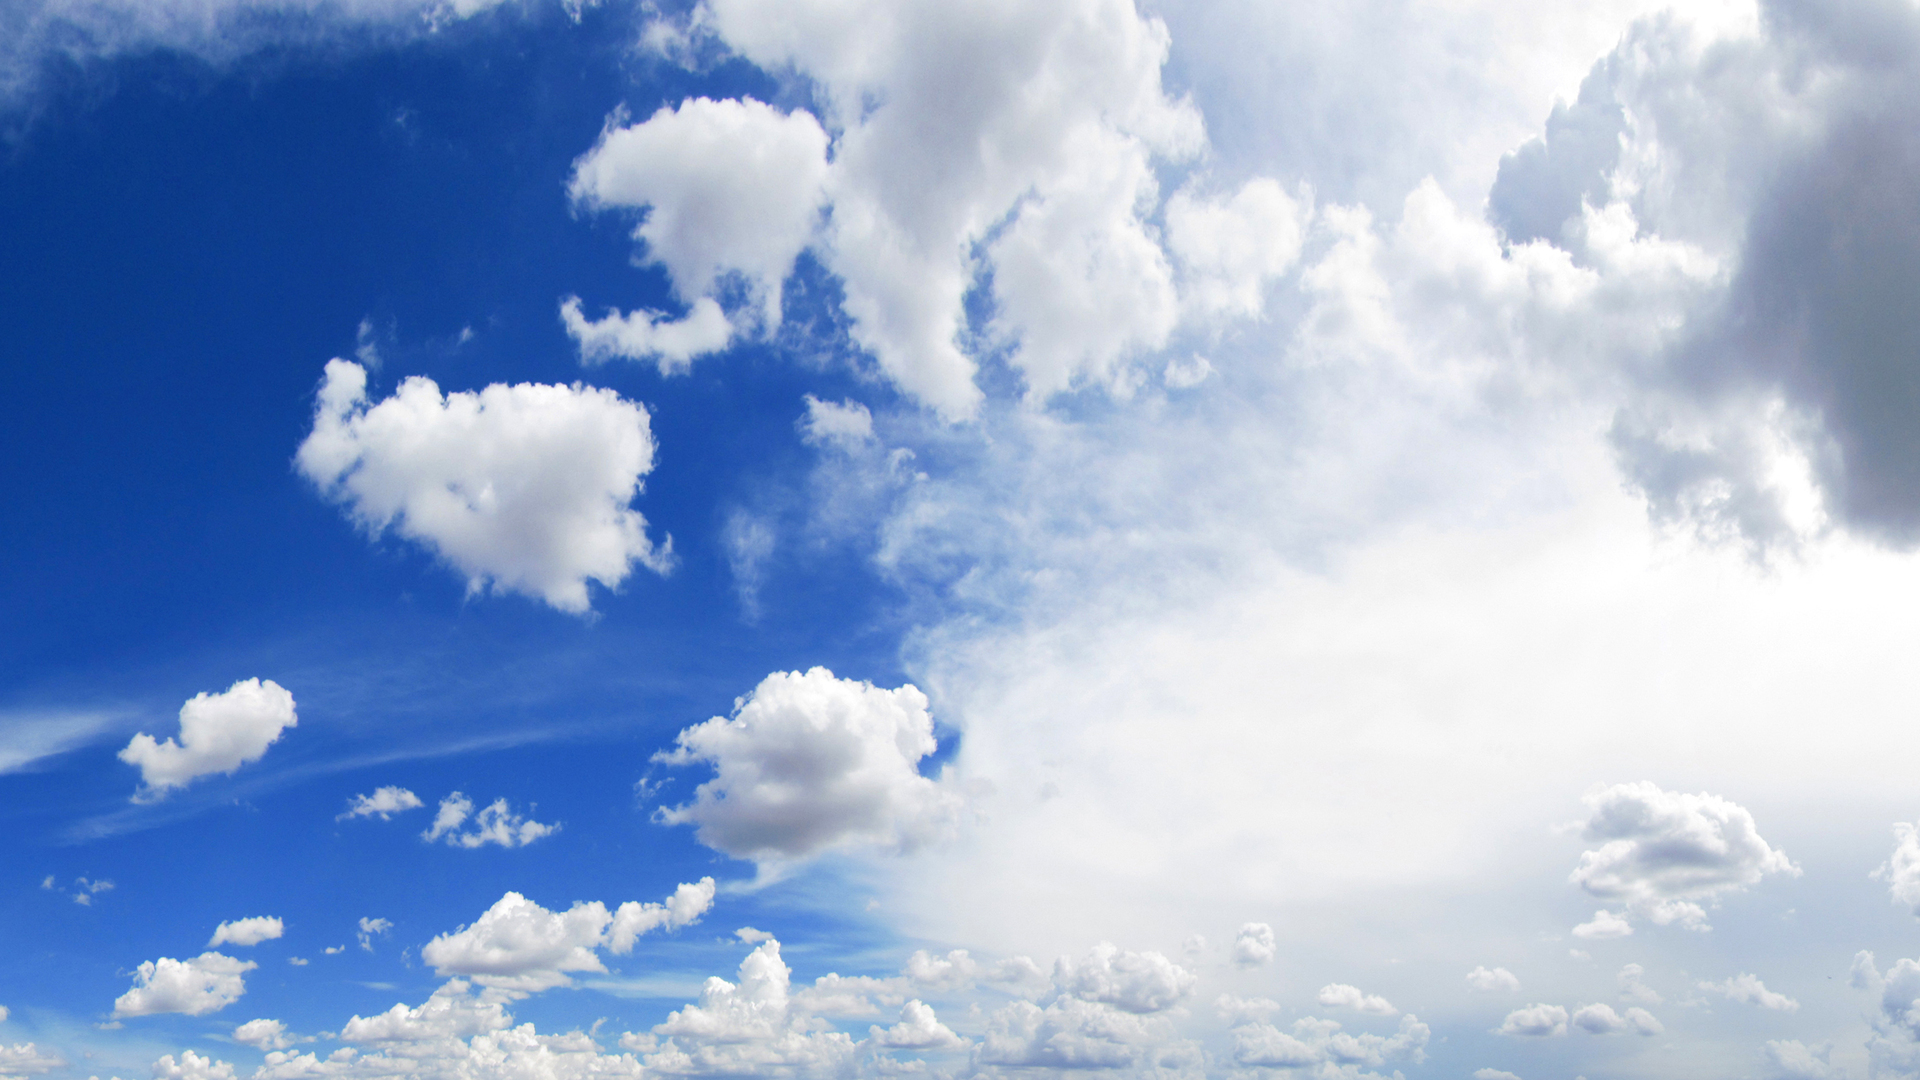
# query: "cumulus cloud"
918,1029
191,1066
1603,926
495,824
845,424
1795,1060
1633,986
251,931
1343,996
728,188
809,762
1901,871
263,1034
1253,945
1497,979
204,984
1661,852
370,928
1318,1042
523,488
1229,249
1135,982
218,734
383,803
1535,1021
744,1027
1748,989
518,947
26,1059
1600,1019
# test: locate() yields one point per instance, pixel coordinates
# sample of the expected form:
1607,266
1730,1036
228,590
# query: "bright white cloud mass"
1243,540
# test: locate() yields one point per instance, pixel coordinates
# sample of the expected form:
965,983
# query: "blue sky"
1068,537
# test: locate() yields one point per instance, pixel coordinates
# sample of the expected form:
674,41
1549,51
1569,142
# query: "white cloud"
1598,1019
1660,851
1535,1021
525,488
746,1027
1604,926
809,762
26,1059
383,803
1229,249
827,423
1071,1033
1135,982
495,824
191,1066
370,928
1901,871
1254,944
1236,1010
251,931
1497,979
263,1034
672,343
218,734
918,1029
1494,1074
1643,1022
1634,988
1343,996
204,984
1795,1060
518,947
729,187
1321,1042
1748,989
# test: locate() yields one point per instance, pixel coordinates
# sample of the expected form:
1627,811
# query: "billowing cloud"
1496,979
1318,1042
1796,1060
1661,852
251,931
519,947
1253,945
1229,249
1748,989
523,488
383,803
1344,996
1135,982
1604,926
1633,985
743,1028
1901,871
204,984
494,824
809,762
26,1059
263,1035
729,188
191,1066
1535,1021
218,734
919,1029
1600,1019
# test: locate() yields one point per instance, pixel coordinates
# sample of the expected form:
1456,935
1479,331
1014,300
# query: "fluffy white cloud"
1796,1060
370,928
1135,982
729,187
525,488
1748,989
1901,871
518,947
26,1059
1254,944
191,1066
1604,926
383,803
845,424
1535,1021
218,734
1660,851
1228,249
495,824
1343,996
1633,986
1072,1033
744,1028
1318,1042
918,1029
1600,1019
263,1034
810,762
204,984
1497,979
250,931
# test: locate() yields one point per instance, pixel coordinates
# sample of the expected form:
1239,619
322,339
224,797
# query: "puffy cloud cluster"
1253,945
517,947
1013,148
744,1027
250,931
204,984
263,1034
1535,1021
1747,989
1133,982
1599,1018
218,734
525,488
1344,996
495,824
191,1066
26,1059
1317,1042
1490,980
809,762
1662,852
383,803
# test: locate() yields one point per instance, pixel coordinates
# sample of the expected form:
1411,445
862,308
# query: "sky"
846,538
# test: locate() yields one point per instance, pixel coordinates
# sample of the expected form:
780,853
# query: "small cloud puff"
383,803
1600,1019
518,947
204,984
1253,945
497,824
1535,1021
1604,926
218,734
1748,989
1488,981
262,1035
251,931
1343,996
1135,982
369,929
